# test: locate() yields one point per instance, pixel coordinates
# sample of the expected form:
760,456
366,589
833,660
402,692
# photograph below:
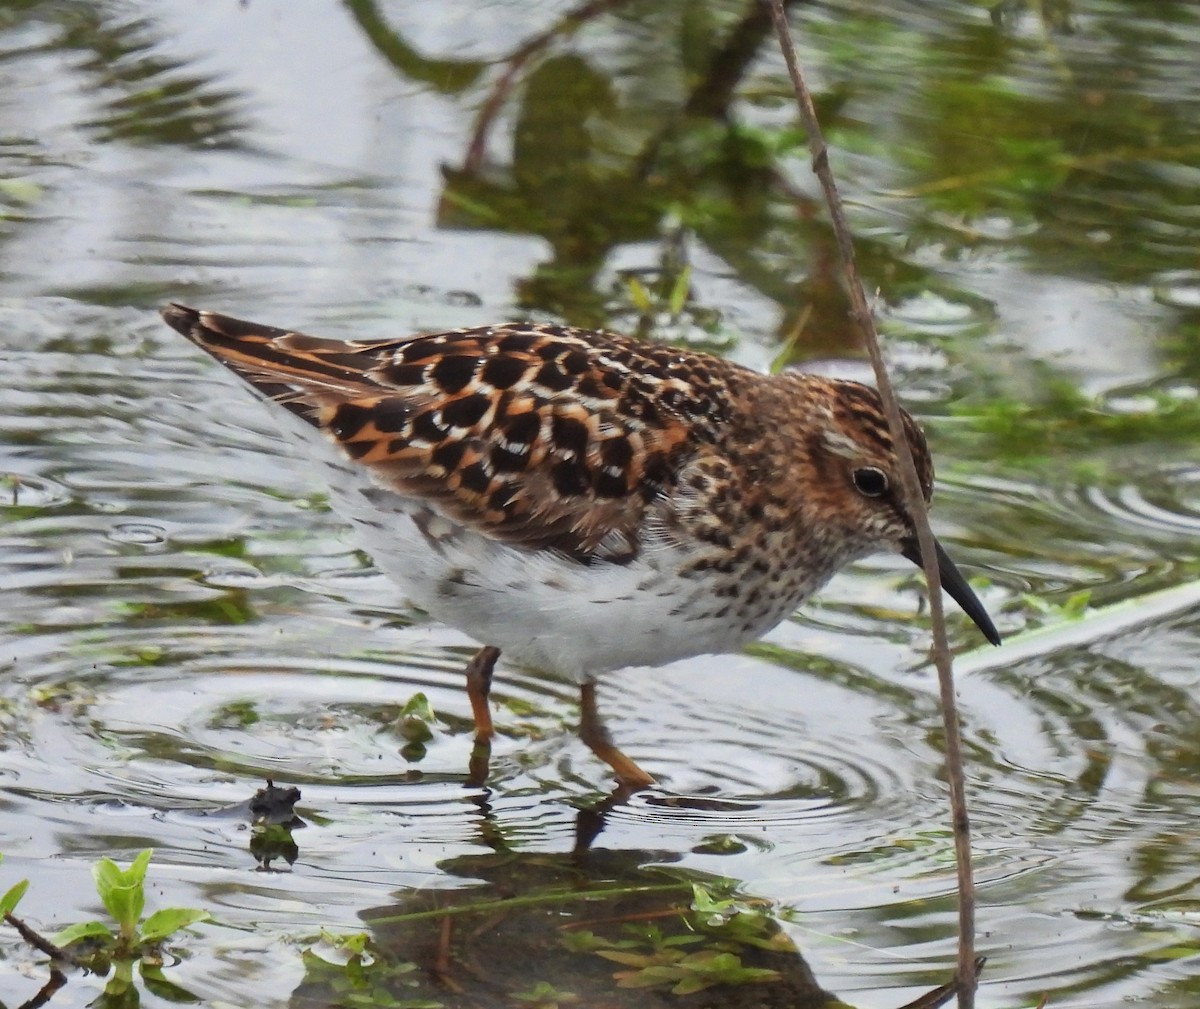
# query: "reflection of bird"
584,501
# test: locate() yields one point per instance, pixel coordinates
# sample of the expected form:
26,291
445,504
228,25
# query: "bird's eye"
870,481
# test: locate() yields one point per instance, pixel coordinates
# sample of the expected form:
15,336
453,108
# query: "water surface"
184,618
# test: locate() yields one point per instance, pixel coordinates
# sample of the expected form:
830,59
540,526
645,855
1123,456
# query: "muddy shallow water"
183,617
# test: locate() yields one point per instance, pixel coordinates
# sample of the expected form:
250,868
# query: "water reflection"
605,927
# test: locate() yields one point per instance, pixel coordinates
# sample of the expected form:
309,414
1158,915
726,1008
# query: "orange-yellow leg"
479,685
595,735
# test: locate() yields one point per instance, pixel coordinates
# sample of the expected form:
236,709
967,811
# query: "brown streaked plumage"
582,500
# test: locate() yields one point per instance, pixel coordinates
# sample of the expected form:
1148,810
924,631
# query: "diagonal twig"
915,501
42,944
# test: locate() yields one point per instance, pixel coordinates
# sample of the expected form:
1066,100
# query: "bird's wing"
544,436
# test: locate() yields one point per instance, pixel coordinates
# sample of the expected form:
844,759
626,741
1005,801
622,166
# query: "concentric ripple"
185,620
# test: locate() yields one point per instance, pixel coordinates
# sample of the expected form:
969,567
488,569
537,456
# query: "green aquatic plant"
415,725
544,995
123,893
1064,423
359,974
685,973
722,926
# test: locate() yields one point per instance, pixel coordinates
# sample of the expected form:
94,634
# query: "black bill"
956,585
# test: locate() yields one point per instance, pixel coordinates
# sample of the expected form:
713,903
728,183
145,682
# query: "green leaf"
136,873
352,943
686,939
679,291
13,897
712,910
418,706
583,941
123,891
1077,604
545,994
415,720
690,985
84,930
628,959
639,296
107,875
648,977
125,904
170,919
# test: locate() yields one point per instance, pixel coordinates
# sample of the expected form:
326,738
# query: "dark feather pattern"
544,436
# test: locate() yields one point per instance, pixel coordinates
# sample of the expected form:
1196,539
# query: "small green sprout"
415,726
123,893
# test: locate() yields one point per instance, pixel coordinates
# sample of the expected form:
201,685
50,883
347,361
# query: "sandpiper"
583,501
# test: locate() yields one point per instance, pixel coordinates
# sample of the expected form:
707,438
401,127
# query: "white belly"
541,609
547,611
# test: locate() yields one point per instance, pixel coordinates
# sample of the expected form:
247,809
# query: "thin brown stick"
915,501
41,943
